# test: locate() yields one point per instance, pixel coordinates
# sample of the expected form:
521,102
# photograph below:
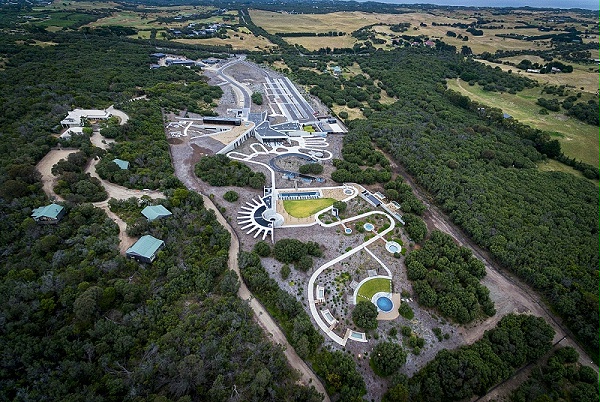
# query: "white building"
75,117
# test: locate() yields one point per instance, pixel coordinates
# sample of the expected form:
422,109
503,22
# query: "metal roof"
146,247
152,212
121,163
49,211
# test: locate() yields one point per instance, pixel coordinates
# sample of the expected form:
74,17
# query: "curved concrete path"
266,322
311,282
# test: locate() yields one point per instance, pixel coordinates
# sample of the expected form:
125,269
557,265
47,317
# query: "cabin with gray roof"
153,212
145,249
49,214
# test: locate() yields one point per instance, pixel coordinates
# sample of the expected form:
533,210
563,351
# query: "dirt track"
45,168
184,172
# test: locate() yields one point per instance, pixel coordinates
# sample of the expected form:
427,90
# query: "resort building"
145,249
76,117
50,214
124,165
153,212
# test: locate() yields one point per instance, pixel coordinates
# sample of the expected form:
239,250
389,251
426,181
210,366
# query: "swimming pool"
348,231
393,247
368,227
385,304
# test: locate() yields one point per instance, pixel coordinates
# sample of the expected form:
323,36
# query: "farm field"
316,43
306,208
243,41
581,77
578,140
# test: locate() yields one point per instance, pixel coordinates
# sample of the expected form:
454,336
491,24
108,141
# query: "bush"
231,196
387,358
311,168
285,271
405,311
364,315
262,248
257,98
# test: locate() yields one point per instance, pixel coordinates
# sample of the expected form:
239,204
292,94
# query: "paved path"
311,282
307,376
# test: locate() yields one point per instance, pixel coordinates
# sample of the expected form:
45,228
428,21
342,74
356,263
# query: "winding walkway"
311,282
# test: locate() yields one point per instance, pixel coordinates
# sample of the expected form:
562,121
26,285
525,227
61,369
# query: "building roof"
264,130
158,55
51,211
146,247
257,118
152,212
121,163
76,115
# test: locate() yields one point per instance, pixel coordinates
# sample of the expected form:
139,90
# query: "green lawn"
305,208
577,139
370,287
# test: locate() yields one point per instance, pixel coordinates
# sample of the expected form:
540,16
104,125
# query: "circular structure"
348,231
368,227
348,191
385,304
393,247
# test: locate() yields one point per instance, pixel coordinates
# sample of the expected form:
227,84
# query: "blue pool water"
385,304
368,227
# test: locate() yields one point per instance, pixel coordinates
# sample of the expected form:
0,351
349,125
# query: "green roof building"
121,163
152,212
145,249
49,214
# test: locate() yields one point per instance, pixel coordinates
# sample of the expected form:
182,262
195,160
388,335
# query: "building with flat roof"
145,249
75,117
152,212
49,214
234,121
124,165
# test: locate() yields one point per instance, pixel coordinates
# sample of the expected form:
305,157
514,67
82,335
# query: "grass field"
306,208
550,165
581,77
578,140
316,43
370,287
241,42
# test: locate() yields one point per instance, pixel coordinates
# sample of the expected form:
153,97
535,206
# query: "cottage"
49,214
124,165
152,212
145,249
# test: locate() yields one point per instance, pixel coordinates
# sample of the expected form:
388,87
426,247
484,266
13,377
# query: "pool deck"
393,314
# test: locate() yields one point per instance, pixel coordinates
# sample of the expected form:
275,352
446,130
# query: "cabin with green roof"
145,249
124,165
152,212
49,214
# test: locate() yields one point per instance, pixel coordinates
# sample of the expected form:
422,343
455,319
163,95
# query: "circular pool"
368,227
385,304
348,191
393,247
348,231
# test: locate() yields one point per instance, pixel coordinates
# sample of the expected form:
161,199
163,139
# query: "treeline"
220,170
309,34
446,277
472,370
561,378
337,369
480,168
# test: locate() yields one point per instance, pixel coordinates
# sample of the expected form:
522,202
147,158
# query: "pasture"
577,139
